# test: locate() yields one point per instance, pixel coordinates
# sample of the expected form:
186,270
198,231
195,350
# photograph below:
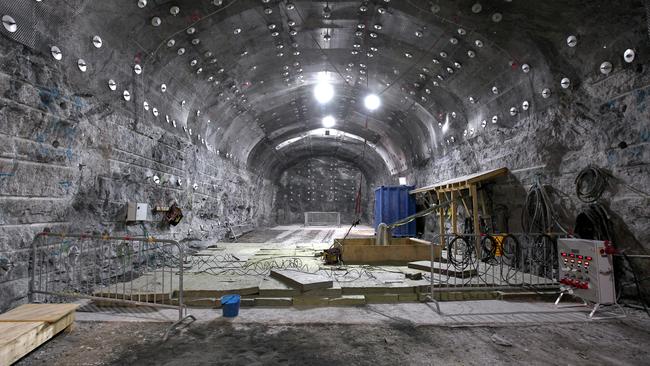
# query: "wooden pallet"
28,326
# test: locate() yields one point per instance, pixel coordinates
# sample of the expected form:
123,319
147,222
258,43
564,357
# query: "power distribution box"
136,211
586,270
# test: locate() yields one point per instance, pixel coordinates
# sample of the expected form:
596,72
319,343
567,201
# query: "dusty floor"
222,343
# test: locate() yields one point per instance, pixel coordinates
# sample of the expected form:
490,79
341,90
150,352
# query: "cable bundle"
537,215
594,223
591,183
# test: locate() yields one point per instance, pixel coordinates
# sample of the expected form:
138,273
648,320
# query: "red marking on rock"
196,16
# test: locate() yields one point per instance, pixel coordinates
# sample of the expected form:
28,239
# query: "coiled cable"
591,183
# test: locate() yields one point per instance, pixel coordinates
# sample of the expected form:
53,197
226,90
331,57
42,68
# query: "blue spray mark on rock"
645,135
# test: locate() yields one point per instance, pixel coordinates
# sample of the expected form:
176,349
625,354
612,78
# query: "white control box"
136,211
586,270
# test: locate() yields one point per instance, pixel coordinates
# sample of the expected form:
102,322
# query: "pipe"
383,235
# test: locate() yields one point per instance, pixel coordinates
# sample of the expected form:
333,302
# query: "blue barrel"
230,305
393,203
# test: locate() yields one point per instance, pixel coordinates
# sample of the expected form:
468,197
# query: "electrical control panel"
136,211
586,270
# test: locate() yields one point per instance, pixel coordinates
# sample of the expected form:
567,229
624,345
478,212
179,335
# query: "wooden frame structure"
451,190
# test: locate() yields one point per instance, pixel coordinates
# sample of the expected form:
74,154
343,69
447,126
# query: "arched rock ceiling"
239,74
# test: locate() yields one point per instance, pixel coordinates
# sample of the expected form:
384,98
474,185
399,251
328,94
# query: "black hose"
593,223
637,284
591,183
467,251
538,215
489,248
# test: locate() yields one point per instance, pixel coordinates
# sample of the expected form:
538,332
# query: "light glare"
329,122
372,102
323,92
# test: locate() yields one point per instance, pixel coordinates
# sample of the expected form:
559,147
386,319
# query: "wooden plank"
388,254
441,222
443,268
463,181
19,338
454,218
48,313
301,280
477,224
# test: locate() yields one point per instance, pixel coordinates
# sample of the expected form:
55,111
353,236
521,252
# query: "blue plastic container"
393,203
230,305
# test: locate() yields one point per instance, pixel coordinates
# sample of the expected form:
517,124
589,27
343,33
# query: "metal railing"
313,218
493,261
116,269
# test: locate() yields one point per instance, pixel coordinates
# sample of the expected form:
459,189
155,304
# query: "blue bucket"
230,305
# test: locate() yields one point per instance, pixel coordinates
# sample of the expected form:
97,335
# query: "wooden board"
443,268
301,280
18,338
48,313
461,182
400,251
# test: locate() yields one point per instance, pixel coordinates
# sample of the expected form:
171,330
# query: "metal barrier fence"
494,261
314,218
124,270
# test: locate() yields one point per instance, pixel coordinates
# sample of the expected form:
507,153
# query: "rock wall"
322,184
604,123
70,162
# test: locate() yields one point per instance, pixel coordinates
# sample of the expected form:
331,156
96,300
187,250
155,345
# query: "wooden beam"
442,222
18,338
463,181
48,313
454,223
301,280
477,226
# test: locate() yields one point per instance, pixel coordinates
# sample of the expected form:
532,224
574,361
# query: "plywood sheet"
466,179
301,280
443,268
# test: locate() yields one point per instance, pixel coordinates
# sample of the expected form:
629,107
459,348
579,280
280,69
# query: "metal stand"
176,325
594,309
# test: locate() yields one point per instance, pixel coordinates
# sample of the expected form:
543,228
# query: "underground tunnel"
217,166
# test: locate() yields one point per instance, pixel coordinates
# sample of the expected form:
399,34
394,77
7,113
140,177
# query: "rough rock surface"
71,163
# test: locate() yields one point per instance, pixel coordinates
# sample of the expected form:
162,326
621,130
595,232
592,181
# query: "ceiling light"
323,92
56,53
329,121
372,102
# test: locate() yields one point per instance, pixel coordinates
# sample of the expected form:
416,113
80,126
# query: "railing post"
32,271
181,254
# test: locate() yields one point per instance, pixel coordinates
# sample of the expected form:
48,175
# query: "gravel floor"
222,343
